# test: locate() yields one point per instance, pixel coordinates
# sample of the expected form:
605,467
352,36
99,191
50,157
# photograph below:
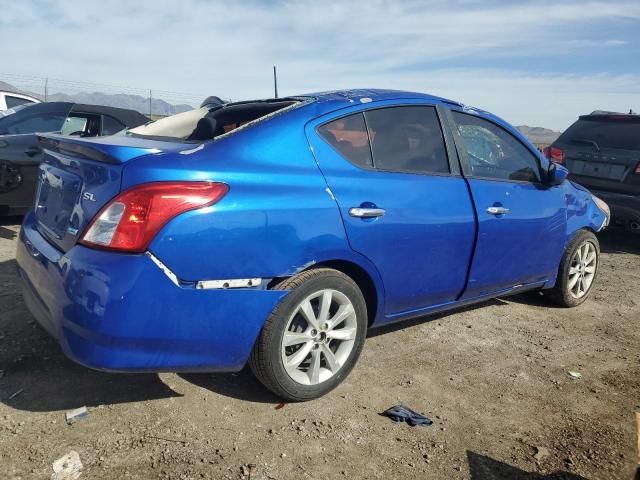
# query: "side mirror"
556,174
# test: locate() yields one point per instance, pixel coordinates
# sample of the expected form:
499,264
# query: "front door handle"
497,210
362,212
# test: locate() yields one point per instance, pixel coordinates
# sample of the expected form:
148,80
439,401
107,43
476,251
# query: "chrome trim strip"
205,284
167,271
230,283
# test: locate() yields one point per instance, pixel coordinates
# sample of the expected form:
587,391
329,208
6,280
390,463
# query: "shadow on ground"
482,467
7,233
9,227
242,385
619,241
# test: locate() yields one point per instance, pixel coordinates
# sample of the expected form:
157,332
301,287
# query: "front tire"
577,271
313,337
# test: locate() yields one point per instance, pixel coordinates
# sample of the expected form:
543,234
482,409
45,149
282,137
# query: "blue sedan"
277,232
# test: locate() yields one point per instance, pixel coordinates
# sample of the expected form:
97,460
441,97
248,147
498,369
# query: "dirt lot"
492,377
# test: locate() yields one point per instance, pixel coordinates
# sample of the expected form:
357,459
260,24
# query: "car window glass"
74,125
493,152
40,122
407,139
348,135
110,125
622,133
15,101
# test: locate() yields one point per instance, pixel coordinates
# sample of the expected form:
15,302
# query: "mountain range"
134,102
536,135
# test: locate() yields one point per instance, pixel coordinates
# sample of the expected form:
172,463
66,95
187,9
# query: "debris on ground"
279,406
574,374
541,452
76,414
67,467
400,413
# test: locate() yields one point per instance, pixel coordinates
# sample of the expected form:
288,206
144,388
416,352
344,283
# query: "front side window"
407,139
493,152
348,135
15,101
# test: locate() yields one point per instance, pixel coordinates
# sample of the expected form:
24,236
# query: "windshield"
35,118
623,133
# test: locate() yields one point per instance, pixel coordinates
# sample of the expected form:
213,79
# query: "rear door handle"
32,151
361,212
497,210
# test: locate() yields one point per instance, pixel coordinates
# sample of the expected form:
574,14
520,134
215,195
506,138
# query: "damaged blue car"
277,232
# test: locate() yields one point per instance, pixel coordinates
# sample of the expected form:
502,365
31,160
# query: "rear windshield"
209,122
623,133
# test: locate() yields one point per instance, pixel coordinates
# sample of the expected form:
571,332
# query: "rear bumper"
625,209
119,312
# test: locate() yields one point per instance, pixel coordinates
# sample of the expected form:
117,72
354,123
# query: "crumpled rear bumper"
118,312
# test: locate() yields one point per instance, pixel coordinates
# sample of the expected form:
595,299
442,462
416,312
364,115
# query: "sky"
539,63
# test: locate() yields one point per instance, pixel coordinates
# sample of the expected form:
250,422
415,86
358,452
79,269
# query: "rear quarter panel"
277,219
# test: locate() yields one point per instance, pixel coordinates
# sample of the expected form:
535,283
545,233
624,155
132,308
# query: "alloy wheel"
582,270
319,337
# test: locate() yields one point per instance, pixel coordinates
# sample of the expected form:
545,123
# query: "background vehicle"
9,100
21,153
602,152
278,231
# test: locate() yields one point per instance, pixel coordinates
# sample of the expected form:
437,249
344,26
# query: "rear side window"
407,139
348,135
73,126
492,152
15,101
110,125
43,122
605,133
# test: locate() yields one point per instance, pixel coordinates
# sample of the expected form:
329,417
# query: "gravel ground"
492,377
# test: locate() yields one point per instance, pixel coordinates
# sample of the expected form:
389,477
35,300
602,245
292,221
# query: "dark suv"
602,152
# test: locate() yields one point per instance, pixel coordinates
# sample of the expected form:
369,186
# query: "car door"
20,152
403,205
521,220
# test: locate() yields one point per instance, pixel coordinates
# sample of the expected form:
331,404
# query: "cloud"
470,50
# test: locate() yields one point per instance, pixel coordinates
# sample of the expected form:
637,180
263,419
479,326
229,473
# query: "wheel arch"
369,283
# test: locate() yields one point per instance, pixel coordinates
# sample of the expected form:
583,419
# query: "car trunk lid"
79,176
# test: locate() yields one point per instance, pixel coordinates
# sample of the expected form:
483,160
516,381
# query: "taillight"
637,172
129,222
554,154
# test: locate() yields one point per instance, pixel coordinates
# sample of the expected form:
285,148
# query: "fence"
146,100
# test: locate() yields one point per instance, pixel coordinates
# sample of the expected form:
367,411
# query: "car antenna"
275,81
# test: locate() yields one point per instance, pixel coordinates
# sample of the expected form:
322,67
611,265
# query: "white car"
10,99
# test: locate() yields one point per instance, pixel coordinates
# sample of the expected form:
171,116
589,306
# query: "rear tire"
313,337
578,270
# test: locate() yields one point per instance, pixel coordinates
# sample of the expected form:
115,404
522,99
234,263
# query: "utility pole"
275,81
46,89
150,97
